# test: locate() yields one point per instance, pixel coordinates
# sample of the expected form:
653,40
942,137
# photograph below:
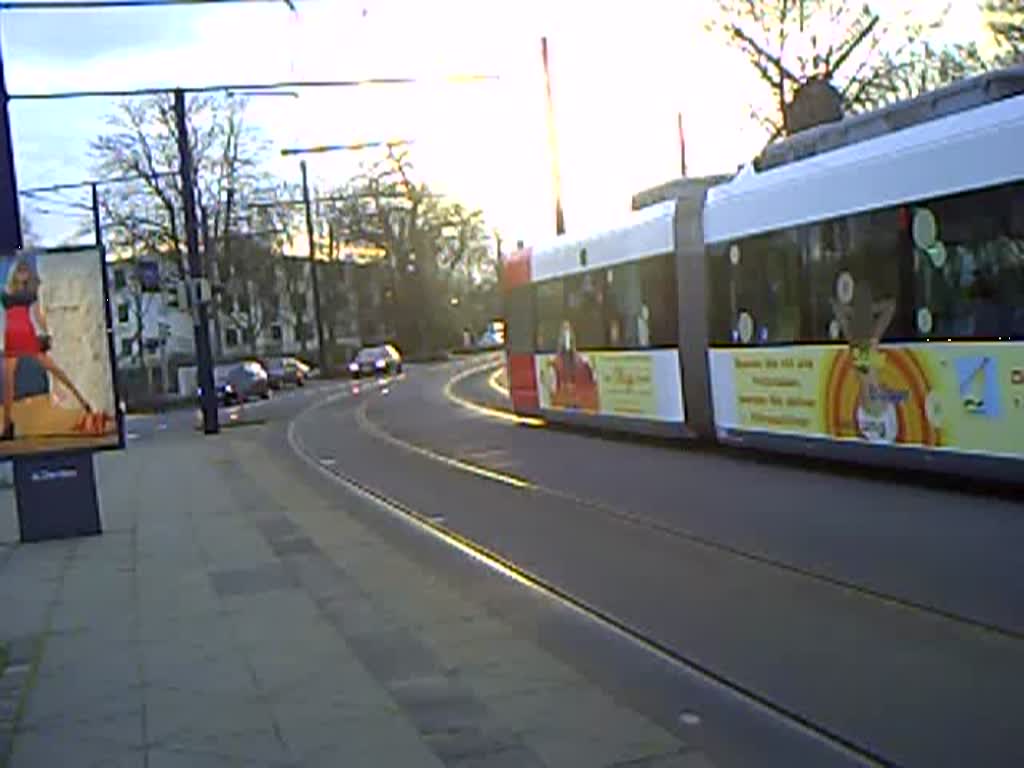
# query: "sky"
620,72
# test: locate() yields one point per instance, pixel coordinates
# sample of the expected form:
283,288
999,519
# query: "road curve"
734,565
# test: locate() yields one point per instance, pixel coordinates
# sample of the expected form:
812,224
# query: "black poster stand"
56,496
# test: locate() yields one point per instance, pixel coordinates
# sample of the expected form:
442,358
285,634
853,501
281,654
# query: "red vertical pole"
553,142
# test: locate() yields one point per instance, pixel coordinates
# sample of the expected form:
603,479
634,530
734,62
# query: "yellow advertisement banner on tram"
643,384
958,395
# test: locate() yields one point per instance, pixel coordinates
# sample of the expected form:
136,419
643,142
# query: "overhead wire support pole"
306,202
553,141
311,235
201,325
10,213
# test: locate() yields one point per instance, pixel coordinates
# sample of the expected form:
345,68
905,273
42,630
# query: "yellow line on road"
497,386
494,413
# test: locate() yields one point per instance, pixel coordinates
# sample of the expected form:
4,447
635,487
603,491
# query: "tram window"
969,264
520,319
585,308
625,311
549,314
722,307
641,308
767,281
659,288
857,258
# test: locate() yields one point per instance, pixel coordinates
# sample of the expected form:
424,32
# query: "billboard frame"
108,328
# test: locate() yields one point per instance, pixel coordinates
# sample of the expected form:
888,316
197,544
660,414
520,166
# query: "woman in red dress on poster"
575,384
26,335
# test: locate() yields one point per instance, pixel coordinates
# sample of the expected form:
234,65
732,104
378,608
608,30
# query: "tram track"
650,523
438,528
806,646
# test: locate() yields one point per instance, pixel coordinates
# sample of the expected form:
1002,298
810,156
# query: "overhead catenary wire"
164,90
97,182
94,5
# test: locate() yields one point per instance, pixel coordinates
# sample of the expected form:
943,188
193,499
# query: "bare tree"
793,42
432,245
148,214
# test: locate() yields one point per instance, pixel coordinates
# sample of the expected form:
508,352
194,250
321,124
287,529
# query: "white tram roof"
647,232
973,149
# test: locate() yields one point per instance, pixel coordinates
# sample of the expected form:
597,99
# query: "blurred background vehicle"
372,361
493,337
239,382
286,372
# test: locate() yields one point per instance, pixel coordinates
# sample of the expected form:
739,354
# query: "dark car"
286,371
373,361
238,382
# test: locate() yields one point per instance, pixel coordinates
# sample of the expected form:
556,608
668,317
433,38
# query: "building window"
126,347
119,279
275,332
302,332
246,336
231,337
243,305
122,313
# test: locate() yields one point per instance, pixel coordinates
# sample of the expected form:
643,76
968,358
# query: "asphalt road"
889,615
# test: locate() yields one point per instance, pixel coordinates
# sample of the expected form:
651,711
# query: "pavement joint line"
717,546
508,569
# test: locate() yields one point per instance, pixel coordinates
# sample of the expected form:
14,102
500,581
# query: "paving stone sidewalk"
230,616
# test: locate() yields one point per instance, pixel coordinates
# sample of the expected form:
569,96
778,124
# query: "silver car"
238,382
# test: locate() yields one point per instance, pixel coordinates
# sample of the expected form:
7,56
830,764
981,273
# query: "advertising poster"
641,385
966,396
626,384
56,377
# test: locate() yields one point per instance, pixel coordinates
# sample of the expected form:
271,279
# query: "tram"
857,292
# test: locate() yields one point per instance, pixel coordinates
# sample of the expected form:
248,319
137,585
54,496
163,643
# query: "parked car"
239,382
372,361
287,371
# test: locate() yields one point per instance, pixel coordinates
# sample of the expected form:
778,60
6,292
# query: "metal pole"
553,142
10,215
321,350
204,358
215,286
97,227
682,143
